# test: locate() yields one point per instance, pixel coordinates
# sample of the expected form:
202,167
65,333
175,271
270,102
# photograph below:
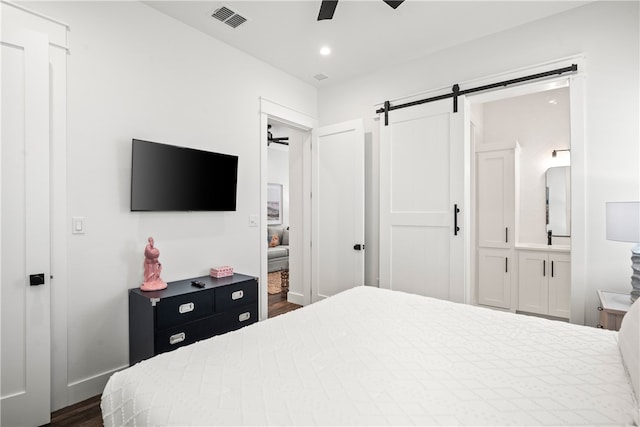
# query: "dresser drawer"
185,334
237,318
236,295
180,309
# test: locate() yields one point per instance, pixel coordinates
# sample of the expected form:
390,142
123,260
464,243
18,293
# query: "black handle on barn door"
36,279
456,211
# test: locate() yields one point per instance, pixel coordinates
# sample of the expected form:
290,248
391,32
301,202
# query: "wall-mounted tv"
170,178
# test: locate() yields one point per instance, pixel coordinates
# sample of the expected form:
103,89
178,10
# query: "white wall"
135,73
539,127
278,173
607,33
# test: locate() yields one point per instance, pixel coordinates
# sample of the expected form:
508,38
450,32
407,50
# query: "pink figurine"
152,269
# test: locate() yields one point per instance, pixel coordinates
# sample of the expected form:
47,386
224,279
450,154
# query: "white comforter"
375,357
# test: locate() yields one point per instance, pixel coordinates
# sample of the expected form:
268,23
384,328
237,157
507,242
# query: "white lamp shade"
623,221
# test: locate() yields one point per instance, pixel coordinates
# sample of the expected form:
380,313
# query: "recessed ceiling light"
325,50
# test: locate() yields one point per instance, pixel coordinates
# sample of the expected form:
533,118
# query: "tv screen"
169,178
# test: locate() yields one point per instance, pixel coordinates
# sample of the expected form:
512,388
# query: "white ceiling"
364,35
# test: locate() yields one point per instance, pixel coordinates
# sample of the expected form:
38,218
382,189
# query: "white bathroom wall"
540,123
136,73
607,33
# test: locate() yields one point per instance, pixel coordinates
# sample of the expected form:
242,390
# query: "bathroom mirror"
558,201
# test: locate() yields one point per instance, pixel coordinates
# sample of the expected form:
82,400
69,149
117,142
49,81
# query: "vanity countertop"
541,247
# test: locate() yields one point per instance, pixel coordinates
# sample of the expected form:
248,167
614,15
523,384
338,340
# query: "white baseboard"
89,387
295,298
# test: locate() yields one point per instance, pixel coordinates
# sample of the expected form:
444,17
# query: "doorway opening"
284,214
520,129
298,127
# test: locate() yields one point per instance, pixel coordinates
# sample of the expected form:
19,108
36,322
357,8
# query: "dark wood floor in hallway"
87,413
279,305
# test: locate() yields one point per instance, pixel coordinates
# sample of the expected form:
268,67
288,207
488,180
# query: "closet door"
421,184
25,253
337,248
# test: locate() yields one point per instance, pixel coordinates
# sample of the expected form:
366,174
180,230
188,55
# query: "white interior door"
24,225
337,199
421,182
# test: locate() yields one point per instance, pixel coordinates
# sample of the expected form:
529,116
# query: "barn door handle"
36,279
358,247
456,211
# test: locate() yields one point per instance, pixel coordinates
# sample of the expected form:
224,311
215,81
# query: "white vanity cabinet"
494,277
544,282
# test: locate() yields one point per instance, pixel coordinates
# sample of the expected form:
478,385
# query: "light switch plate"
77,225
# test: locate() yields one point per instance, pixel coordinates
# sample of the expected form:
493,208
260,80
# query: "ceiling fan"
329,6
284,140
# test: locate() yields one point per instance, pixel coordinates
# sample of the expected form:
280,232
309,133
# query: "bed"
371,356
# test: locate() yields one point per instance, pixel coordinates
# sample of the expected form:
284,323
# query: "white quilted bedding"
376,357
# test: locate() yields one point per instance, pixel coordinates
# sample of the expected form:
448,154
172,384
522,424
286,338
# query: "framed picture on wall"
274,204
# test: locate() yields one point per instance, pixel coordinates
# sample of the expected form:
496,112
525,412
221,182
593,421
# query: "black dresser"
182,314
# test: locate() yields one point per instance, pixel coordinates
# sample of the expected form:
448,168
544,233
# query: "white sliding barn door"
337,201
26,349
421,180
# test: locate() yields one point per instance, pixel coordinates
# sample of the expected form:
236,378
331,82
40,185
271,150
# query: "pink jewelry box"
223,271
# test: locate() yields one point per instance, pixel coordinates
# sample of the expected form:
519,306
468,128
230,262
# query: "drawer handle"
244,317
187,307
237,295
599,326
177,338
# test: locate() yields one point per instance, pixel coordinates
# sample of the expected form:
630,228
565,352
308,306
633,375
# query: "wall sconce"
560,157
623,225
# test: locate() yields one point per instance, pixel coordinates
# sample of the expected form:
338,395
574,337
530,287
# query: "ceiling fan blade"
326,9
393,4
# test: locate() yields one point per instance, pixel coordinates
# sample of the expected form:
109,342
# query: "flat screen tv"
169,178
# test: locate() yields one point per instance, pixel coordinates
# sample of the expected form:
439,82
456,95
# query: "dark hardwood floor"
83,414
279,305
87,413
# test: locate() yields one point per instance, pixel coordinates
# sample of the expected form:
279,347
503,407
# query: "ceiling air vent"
320,76
229,17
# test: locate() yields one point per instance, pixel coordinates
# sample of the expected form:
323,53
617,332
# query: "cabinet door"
533,285
494,277
560,285
496,198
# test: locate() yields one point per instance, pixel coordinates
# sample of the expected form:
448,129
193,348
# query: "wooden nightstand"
613,306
